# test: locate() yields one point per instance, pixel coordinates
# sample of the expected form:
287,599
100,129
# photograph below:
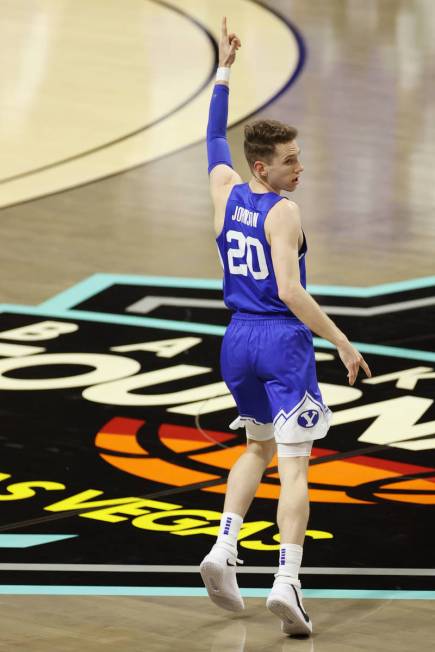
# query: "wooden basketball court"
104,203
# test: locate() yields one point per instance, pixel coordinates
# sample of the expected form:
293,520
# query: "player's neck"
258,186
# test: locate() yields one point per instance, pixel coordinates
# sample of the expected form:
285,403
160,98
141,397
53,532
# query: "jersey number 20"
245,247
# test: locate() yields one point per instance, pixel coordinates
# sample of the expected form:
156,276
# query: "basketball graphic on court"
343,480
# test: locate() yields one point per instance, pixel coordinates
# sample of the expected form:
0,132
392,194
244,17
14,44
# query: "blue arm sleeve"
217,145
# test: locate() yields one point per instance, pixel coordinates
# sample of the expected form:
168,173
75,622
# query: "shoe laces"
232,555
235,559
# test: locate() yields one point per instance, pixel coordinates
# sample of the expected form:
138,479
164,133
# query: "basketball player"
267,355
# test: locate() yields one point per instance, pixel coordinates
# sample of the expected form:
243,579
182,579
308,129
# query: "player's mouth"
295,180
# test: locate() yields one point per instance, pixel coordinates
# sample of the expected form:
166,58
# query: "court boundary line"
186,591
262,570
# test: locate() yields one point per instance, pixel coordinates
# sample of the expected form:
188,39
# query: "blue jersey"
249,279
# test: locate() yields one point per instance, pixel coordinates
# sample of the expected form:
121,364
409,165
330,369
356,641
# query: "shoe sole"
292,623
212,576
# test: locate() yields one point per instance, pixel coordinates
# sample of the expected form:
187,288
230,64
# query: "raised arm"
220,167
283,227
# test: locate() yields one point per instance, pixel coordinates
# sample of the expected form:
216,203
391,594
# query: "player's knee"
293,464
265,449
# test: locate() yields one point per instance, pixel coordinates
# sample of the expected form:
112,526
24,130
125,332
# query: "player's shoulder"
285,210
289,206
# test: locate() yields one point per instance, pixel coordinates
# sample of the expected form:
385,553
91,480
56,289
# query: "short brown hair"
261,137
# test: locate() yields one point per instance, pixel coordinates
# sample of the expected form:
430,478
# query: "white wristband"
223,74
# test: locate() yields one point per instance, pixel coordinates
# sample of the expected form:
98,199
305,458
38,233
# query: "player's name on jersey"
246,217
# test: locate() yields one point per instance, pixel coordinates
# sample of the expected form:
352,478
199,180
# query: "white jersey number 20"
245,246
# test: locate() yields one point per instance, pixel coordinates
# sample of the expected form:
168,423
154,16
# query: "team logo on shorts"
309,418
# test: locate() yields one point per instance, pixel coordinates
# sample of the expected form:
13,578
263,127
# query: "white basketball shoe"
285,601
218,571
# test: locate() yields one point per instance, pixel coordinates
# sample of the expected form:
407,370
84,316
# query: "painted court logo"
129,418
309,418
178,456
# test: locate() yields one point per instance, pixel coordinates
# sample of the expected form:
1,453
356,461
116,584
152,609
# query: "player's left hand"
352,360
228,46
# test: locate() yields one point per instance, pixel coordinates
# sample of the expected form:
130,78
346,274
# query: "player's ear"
258,168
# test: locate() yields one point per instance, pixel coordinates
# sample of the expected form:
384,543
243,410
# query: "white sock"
290,559
229,529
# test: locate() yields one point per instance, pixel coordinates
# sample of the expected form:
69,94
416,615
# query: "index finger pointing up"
224,26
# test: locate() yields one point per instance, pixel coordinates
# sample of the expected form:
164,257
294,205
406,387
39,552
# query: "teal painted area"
158,591
339,594
191,327
185,591
29,540
375,290
109,318
98,282
379,349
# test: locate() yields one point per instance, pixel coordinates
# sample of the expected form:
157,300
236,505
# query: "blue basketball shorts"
268,365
